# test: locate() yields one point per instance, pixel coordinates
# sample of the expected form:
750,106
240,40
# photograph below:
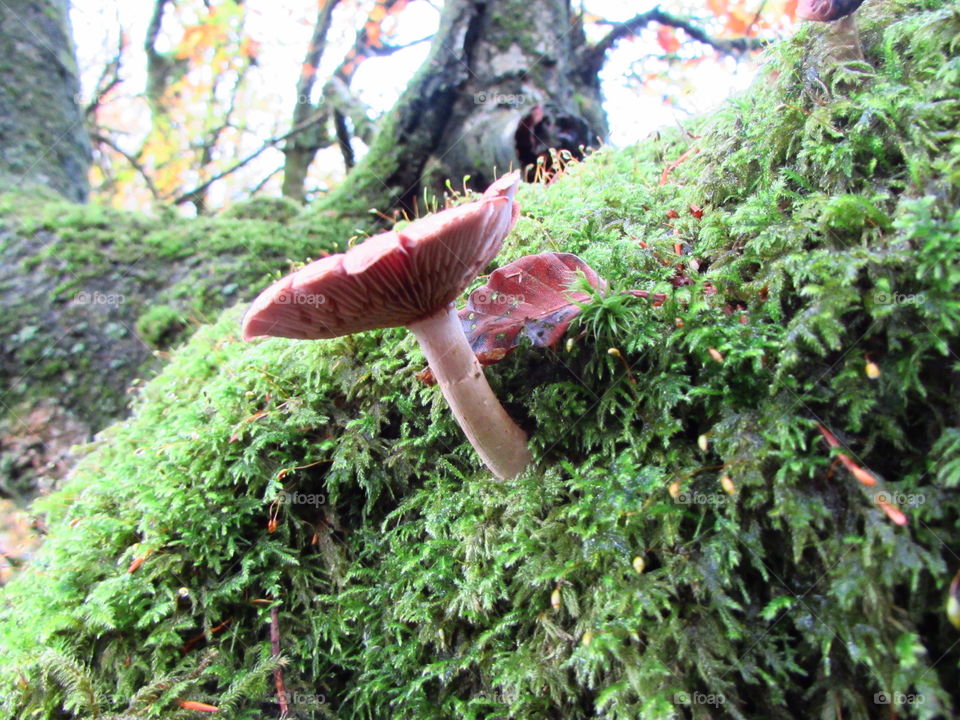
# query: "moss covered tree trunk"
500,87
42,138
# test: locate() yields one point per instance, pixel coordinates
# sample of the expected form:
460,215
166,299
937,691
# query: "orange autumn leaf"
250,48
717,7
378,13
667,39
739,21
199,37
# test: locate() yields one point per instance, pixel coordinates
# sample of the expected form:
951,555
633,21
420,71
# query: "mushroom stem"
499,442
846,38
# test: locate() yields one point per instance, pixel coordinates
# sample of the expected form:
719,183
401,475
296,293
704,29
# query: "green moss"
281,210
159,325
80,276
412,585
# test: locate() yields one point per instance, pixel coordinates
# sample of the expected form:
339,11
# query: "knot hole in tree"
541,137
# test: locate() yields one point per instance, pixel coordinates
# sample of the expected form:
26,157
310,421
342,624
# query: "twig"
99,137
595,53
259,186
275,649
108,80
190,194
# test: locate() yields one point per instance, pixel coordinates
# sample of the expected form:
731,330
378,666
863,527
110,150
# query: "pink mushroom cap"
392,279
826,10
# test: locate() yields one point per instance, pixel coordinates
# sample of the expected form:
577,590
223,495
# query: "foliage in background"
623,576
202,126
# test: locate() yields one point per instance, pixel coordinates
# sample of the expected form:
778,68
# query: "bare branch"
153,29
343,139
109,78
190,195
311,62
259,186
300,152
336,99
729,46
337,94
387,50
213,137
106,140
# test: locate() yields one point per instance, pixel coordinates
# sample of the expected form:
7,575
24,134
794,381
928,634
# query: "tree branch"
729,46
106,140
189,195
308,73
343,140
338,96
108,80
259,186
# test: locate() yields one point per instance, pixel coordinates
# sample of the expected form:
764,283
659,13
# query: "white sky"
283,28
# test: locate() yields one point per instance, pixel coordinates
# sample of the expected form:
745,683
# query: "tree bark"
501,86
525,94
42,136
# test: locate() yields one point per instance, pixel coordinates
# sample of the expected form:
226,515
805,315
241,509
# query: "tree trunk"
524,95
42,136
300,150
501,86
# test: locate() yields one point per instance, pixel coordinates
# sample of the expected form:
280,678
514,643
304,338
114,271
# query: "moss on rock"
321,479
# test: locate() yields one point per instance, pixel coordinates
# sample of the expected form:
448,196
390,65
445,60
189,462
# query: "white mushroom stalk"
494,435
410,278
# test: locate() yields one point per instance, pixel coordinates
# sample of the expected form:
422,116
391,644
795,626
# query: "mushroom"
410,278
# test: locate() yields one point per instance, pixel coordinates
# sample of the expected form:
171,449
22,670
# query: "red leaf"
528,297
667,39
